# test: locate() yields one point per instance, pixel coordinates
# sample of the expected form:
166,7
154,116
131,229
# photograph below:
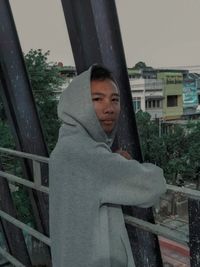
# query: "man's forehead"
103,86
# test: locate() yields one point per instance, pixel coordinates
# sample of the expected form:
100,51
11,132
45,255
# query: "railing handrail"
24,155
192,193
158,229
184,190
25,228
36,184
27,183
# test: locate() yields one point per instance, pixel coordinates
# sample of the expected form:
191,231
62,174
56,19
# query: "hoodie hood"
76,107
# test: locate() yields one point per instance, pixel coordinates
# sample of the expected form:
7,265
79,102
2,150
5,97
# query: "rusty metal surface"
194,231
20,108
18,99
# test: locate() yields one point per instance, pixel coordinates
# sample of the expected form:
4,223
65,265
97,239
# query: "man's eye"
96,99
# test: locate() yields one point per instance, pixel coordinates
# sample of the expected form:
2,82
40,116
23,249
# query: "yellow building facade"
172,94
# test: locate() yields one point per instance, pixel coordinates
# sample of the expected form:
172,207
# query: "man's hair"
100,73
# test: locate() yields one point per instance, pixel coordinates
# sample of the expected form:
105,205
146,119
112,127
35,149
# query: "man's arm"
128,182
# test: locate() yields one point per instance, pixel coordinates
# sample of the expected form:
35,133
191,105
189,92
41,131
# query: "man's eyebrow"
116,94
102,94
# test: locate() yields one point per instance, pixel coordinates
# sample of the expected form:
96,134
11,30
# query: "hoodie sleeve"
128,182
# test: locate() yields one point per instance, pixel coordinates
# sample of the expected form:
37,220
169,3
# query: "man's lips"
108,121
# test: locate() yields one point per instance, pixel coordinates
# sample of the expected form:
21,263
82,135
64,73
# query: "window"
137,103
157,103
172,100
152,103
149,104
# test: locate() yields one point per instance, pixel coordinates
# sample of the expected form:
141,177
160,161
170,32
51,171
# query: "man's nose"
108,108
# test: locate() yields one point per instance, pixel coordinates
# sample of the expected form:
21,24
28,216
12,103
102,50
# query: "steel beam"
194,231
20,108
95,38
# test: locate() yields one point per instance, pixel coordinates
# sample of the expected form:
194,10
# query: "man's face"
106,100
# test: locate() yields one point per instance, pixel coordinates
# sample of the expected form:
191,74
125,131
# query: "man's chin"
108,130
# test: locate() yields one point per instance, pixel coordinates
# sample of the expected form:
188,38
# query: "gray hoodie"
88,183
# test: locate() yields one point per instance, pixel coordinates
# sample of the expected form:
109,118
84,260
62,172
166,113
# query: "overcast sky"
162,33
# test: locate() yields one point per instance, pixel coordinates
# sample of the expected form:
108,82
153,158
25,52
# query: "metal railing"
192,239
36,184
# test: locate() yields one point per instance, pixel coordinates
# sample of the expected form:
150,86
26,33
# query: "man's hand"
124,154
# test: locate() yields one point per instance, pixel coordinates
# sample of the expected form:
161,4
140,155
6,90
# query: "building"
158,91
68,73
163,93
147,95
190,95
142,71
172,93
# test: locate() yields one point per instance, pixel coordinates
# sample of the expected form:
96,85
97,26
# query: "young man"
88,182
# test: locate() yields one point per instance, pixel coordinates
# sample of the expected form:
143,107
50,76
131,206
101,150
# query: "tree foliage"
140,65
176,148
45,80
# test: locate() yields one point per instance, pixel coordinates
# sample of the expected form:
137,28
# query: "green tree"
192,170
172,151
149,138
176,146
45,80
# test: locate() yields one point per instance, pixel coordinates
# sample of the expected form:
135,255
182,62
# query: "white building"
147,95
